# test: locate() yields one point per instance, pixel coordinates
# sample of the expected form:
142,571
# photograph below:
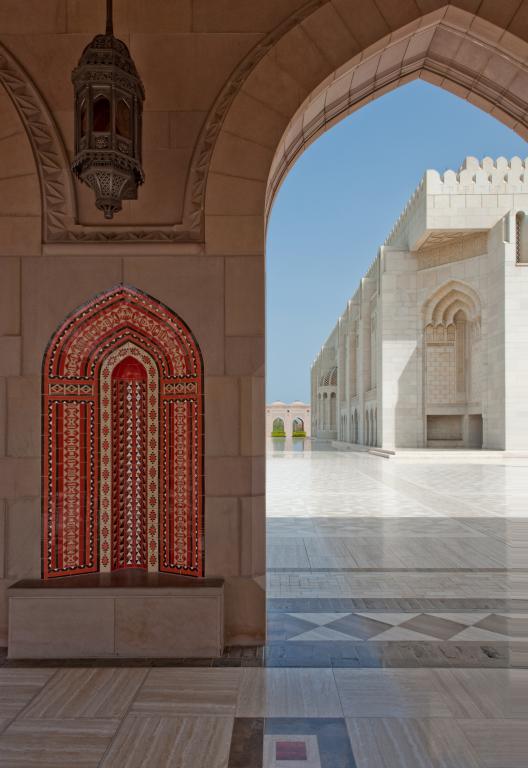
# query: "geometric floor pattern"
378,626
263,718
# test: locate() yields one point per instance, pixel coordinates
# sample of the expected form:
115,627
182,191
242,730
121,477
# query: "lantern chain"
109,17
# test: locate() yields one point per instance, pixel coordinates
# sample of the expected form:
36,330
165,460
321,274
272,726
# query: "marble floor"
410,581
397,638
253,717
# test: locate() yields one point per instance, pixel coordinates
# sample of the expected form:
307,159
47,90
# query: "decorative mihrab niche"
122,441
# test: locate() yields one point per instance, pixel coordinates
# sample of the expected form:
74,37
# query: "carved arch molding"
59,205
122,432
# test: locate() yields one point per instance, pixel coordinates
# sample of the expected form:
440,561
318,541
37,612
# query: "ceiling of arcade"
224,80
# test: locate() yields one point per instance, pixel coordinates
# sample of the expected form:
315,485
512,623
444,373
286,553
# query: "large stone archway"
235,91
312,78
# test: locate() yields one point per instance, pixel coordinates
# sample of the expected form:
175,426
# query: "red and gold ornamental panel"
122,440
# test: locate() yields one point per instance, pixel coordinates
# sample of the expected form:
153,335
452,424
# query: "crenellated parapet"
471,199
501,176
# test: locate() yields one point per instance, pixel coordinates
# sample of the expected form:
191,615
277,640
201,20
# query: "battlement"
478,176
445,206
473,178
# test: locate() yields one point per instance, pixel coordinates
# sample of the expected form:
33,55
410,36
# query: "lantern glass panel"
101,114
123,115
84,119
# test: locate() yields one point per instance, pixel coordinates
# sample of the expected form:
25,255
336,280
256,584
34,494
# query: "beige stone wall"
220,296
224,80
19,386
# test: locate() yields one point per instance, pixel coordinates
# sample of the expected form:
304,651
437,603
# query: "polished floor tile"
495,693
301,751
323,634
475,634
400,634
391,693
387,626
288,693
17,688
319,618
247,743
410,743
359,627
335,485
79,743
91,693
200,691
434,626
171,742
307,743
395,584
284,626
294,554
498,743
513,626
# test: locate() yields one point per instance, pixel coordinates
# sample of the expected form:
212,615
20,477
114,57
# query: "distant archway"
302,84
298,427
278,428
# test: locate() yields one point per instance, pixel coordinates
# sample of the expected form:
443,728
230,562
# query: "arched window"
84,119
101,114
298,426
278,428
123,123
333,411
123,440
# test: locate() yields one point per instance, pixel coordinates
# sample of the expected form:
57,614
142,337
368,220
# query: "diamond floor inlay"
376,625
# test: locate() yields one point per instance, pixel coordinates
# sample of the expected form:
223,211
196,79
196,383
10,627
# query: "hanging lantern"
109,99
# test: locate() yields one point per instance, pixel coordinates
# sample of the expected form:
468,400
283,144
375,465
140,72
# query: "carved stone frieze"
458,249
48,149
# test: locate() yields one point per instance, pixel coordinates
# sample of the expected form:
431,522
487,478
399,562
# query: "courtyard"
397,636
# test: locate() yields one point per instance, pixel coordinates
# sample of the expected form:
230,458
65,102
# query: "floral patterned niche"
122,440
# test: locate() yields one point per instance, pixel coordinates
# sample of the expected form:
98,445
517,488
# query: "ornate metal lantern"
109,99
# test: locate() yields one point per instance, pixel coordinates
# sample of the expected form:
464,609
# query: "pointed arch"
444,303
278,424
122,440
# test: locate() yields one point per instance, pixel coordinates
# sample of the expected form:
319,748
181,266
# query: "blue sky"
339,202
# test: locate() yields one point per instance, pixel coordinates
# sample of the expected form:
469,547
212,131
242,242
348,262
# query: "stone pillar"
515,356
401,422
341,382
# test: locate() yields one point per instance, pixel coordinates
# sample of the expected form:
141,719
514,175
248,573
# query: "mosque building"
430,351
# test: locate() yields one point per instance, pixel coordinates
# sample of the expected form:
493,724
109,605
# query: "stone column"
341,381
400,322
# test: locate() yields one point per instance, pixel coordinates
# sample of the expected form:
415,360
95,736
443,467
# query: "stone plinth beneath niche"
126,614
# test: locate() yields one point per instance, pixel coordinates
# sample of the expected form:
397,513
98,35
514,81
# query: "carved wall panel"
122,440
